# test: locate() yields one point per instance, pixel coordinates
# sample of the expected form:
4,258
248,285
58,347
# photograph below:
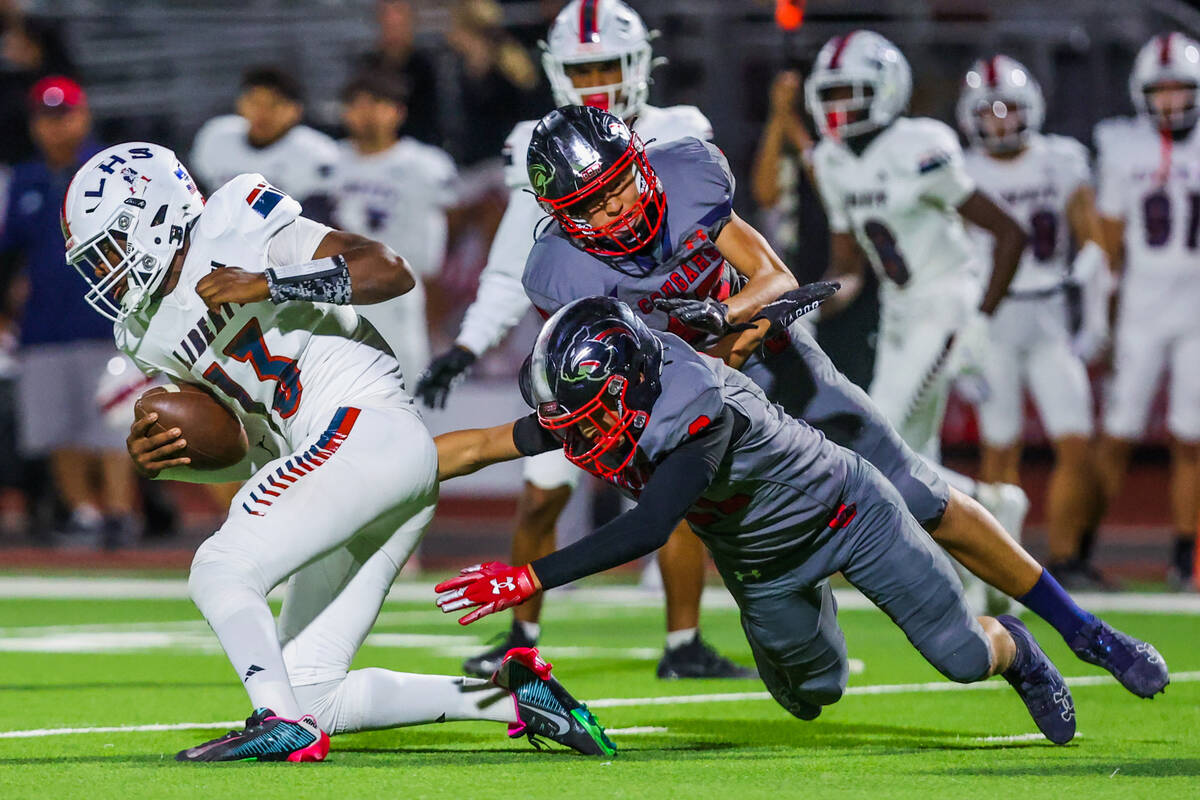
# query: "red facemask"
601,436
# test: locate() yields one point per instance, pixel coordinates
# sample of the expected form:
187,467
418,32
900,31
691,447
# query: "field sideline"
104,679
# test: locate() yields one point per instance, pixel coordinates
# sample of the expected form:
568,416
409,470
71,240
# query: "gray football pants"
794,372
791,620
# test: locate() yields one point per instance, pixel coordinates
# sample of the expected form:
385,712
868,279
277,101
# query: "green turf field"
127,662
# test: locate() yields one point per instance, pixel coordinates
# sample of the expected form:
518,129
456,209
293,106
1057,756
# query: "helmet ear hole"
160,216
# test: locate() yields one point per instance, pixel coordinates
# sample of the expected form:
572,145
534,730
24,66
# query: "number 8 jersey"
900,199
283,369
1152,183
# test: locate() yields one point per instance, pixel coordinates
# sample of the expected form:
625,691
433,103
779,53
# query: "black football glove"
791,306
708,316
443,372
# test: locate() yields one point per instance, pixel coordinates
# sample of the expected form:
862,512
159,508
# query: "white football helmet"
589,31
875,72
1168,57
999,86
124,217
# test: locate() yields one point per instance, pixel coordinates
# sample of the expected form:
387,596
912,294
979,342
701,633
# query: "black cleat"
266,737
1040,684
697,659
486,663
1136,664
545,709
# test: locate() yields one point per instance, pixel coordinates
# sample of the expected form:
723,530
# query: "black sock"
1183,553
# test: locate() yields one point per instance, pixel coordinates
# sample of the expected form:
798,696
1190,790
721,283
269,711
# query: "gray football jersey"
699,190
781,481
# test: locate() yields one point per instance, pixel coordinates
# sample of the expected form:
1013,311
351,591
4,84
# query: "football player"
264,136
780,507
596,53
1044,181
655,228
396,190
250,300
1149,200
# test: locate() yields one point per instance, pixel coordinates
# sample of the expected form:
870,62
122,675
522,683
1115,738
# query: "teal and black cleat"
266,737
545,709
1039,684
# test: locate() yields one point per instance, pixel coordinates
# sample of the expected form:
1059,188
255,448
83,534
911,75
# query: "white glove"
971,353
1090,271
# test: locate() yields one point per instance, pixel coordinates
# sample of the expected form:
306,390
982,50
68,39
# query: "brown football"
215,437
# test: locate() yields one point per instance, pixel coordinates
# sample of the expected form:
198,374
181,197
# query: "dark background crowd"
75,75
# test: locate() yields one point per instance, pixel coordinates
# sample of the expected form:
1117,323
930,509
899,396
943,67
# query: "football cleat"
1136,664
697,659
545,710
486,663
1040,684
266,737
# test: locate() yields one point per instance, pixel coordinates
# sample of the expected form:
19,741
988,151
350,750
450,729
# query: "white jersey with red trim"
296,162
899,198
1034,187
284,369
500,301
1152,184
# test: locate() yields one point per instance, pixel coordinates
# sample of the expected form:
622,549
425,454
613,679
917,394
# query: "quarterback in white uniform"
597,53
1149,198
896,189
1045,182
248,299
264,136
395,190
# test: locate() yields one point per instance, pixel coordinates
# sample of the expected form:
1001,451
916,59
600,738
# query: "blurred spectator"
396,190
264,136
794,220
496,81
30,49
396,56
65,346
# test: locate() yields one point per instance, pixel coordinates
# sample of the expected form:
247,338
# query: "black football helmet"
593,378
578,157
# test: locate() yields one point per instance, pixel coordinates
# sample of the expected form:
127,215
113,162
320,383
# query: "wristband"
326,280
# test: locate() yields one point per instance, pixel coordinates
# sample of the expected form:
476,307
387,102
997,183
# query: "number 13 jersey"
900,200
283,369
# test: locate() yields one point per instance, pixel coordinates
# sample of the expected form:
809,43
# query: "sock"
249,639
1051,602
681,637
1183,553
375,699
530,630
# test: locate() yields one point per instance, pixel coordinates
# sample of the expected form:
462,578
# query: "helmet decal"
593,357
540,176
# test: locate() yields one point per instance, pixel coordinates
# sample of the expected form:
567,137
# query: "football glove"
435,383
706,315
791,306
487,588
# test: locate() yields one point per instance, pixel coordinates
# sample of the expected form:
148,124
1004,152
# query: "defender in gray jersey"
780,507
654,228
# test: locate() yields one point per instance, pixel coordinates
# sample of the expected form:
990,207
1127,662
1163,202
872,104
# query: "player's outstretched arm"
467,451
1010,238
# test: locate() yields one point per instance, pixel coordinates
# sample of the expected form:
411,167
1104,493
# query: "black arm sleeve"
677,482
532,439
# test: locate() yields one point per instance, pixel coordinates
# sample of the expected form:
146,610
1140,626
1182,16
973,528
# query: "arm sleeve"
500,301
296,242
677,482
532,439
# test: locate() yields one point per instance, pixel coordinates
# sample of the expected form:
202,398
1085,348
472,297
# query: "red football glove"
492,587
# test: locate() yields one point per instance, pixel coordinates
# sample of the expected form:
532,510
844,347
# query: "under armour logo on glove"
487,588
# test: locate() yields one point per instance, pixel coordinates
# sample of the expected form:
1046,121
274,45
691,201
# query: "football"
215,437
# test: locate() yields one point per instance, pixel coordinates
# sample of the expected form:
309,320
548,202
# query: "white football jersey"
900,199
398,197
1152,184
283,369
296,163
501,302
1034,187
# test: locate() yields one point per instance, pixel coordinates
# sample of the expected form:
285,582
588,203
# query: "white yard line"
85,587
614,702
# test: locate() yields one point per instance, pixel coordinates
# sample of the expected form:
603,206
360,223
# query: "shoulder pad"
250,205
516,146
691,398
686,121
1109,132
